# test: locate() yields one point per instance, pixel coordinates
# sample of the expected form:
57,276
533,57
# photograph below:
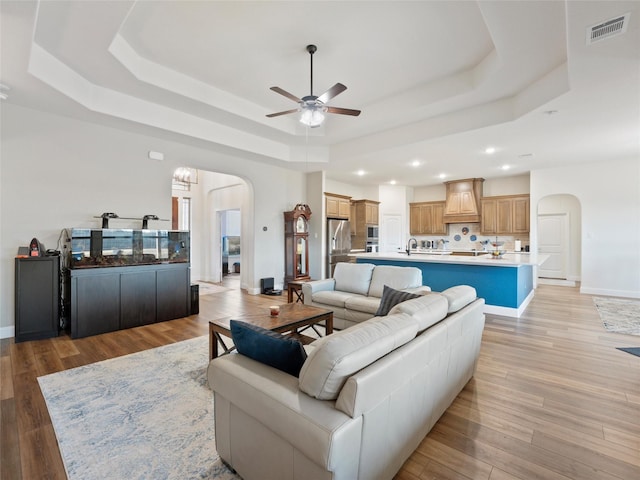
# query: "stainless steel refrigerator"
338,243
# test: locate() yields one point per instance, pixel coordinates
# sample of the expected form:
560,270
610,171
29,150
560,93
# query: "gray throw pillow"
390,298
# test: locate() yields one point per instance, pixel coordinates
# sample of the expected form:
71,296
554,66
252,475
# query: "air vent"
610,28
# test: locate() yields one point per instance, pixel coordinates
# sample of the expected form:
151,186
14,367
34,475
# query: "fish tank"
91,248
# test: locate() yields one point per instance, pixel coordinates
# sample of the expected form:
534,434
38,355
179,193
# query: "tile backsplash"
467,237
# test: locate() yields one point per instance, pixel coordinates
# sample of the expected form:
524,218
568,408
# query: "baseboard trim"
508,311
7,332
609,293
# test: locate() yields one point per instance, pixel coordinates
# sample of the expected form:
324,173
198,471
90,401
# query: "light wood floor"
552,398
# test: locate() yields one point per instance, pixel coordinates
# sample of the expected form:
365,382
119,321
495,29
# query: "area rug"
148,415
619,315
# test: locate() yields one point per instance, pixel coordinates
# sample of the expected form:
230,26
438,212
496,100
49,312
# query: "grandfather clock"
296,243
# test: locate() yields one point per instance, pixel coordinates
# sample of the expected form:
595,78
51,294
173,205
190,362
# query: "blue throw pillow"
270,348
390,298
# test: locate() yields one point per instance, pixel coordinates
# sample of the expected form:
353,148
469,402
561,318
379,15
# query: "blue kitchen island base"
506,289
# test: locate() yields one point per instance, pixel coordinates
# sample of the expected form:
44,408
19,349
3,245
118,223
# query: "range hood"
463,201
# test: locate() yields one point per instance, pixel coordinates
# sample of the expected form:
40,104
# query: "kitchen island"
505,283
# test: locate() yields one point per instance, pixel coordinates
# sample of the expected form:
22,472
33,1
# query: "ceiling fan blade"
343,111
286,94
332,92
286,112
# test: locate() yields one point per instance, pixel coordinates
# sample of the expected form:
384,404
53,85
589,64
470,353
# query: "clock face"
301,225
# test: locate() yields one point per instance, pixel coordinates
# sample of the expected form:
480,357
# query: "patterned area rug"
619,315
145,415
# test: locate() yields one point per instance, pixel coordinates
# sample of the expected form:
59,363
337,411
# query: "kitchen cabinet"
462,200
337,206
427,218
505,215
363,213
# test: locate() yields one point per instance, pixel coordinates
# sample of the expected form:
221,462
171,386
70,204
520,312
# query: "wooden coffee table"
294,318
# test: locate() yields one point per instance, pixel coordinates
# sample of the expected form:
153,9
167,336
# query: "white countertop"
507,260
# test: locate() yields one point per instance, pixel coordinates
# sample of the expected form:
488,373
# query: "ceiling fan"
311,106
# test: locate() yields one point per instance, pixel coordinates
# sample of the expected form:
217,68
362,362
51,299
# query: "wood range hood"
463,201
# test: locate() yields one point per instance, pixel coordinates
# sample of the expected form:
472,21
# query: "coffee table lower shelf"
293,320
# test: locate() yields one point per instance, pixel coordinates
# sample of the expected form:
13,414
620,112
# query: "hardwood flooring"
552,398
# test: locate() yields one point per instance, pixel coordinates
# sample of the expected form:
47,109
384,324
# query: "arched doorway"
220,226
559,227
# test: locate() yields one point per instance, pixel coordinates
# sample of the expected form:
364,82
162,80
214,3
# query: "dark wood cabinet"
172,302
137,299
108,299
37,298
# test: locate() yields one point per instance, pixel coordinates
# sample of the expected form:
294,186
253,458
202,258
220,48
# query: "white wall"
609,195
59,172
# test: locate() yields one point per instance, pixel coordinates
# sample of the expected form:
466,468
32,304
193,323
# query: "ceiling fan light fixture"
312,117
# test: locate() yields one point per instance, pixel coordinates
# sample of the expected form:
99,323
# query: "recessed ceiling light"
490,150
392,182
416,163
442,175
505,167
361,172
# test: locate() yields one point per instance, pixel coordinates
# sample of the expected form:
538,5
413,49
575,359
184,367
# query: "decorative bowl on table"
497,253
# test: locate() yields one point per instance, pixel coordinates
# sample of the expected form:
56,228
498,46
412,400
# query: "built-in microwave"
372,233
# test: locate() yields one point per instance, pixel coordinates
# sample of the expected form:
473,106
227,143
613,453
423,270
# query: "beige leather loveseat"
355,290
365,398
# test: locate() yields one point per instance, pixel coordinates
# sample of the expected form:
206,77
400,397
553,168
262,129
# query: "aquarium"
125,247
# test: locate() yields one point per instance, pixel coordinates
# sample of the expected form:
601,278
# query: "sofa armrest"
327,436
309,288
422,290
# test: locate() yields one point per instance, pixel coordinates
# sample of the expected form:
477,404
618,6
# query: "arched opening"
221,227
559,227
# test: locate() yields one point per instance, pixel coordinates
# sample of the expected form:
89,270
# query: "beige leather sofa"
365,398
355,290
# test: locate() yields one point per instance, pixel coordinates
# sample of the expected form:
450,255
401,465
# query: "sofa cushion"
339,355
333,298
270,348
390,298
360,303
353,277
426,310
459,296
399,278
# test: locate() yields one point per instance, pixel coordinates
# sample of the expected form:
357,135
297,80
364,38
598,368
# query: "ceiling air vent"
607,29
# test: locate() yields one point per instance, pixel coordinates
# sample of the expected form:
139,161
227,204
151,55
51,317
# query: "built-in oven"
372,234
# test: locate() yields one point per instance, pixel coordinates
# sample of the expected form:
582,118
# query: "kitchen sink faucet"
415,242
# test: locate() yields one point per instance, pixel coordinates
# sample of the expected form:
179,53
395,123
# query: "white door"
553,240
391,233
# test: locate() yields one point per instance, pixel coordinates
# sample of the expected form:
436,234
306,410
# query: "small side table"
294,287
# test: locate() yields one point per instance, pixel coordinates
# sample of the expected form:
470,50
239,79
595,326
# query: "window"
184,215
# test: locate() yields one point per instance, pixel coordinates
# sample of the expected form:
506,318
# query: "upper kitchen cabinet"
337,206
505,215
363,214
463,201
427,218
